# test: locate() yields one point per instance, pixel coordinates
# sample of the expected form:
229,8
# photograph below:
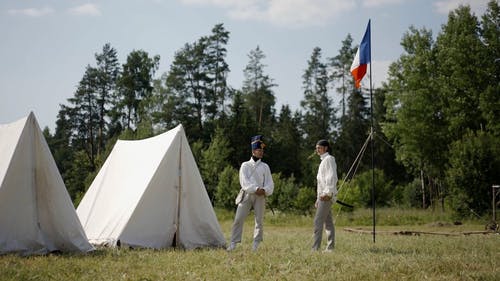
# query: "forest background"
436,120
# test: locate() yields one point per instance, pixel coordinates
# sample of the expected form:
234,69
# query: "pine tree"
319,113
257,91
241,127
341,73
353,133
107,74
286,145
135,85
218,70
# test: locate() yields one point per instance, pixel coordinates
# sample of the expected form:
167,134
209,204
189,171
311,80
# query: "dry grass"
284,255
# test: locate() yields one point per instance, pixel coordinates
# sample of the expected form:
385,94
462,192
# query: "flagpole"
358,70
372,145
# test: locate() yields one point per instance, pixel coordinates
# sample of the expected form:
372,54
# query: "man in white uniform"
256,183
326,196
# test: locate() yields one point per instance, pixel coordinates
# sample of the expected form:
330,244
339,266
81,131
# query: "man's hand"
325,198
260,192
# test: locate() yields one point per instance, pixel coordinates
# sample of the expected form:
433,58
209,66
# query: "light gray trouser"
324,217
259,205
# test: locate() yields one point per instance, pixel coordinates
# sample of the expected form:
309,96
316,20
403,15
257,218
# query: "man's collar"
252,159
322,156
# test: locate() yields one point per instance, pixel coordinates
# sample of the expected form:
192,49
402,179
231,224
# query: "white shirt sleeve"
268,180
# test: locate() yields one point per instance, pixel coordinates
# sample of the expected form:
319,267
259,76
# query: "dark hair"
324,143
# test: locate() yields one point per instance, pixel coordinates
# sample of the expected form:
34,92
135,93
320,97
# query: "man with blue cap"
256,183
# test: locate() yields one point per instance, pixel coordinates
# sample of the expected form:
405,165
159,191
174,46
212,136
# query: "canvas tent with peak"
36,212
149,193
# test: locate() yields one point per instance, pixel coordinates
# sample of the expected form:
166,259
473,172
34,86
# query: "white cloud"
306,12
446,6
85,10
281,12
32,12
377,3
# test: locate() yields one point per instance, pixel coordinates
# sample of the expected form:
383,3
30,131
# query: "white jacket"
255,174
327,176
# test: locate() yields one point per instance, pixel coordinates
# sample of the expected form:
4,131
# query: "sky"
45,45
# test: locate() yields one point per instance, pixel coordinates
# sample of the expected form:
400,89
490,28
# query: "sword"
344,204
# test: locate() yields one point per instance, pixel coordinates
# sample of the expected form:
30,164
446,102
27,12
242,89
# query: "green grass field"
285,254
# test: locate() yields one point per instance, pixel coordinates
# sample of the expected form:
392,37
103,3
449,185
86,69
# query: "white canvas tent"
149,193
36,212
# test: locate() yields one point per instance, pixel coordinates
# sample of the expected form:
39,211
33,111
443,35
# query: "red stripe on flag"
358,74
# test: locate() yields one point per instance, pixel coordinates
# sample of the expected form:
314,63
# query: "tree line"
436,119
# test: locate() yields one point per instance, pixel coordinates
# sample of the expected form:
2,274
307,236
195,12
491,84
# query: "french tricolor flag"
362,58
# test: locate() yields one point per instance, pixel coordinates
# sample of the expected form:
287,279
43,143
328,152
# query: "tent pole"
31,125
177,234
